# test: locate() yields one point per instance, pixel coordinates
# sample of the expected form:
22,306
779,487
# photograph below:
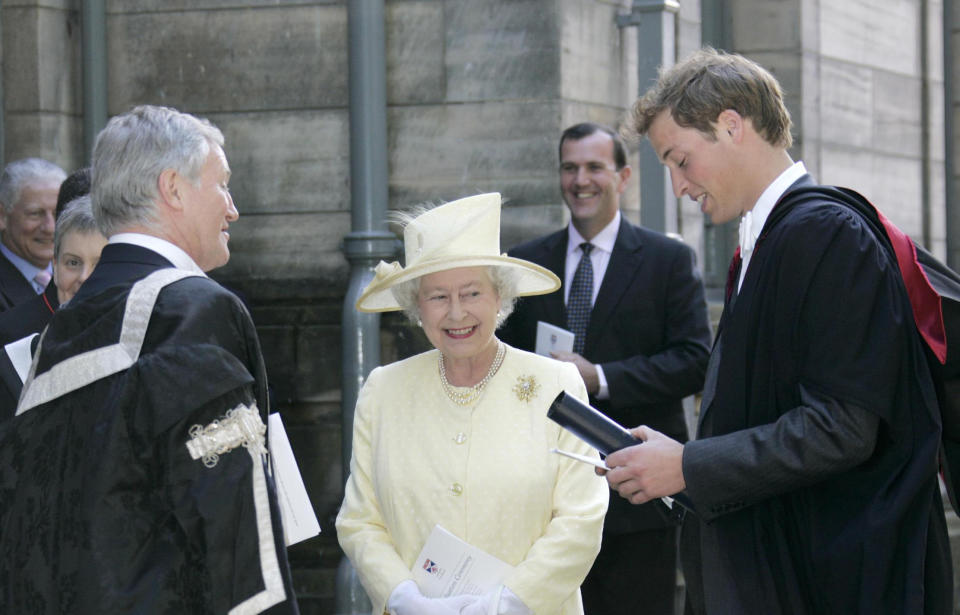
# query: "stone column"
41,81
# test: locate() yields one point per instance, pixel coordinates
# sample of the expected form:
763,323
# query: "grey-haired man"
28,198
135,476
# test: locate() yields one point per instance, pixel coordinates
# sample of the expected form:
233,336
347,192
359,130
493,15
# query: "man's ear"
624,174
731,125
3,217
170,189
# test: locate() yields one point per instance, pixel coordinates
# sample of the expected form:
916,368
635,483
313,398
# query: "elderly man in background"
28,195
135,476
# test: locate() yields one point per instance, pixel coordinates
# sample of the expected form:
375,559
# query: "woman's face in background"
79,254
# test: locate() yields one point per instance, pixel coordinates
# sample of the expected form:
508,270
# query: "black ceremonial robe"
822,319
102,507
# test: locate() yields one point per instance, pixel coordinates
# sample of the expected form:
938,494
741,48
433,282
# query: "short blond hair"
698,89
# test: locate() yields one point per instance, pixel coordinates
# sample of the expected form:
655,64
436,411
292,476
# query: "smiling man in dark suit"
635,301
28,200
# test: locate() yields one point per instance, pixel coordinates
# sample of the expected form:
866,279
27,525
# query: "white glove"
500,601
406,599
480,607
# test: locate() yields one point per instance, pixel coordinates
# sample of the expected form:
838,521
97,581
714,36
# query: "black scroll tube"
604,434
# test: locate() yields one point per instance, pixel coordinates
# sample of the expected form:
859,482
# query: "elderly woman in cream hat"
458,436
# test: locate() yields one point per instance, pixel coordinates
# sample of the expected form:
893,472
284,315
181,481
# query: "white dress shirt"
169,251
599,257
753,220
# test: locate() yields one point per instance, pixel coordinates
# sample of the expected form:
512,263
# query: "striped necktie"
579,303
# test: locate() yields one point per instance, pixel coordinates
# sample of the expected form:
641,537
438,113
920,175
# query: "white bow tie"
747,238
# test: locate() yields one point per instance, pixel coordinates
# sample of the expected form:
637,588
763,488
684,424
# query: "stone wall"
42,98
865,89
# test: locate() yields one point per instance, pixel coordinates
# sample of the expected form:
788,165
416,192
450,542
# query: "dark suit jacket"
30,316
14,288
649,331
23,319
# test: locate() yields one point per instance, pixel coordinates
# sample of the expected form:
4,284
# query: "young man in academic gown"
135,476
813,477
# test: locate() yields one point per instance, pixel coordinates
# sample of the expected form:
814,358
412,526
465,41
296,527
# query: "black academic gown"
822,315
102,508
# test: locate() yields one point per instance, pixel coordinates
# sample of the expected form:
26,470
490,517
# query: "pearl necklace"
472,393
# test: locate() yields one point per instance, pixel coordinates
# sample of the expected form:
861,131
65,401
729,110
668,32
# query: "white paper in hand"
551,338
448,566
594,461
296,511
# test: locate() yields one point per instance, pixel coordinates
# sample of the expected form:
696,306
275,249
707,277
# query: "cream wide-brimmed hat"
461,233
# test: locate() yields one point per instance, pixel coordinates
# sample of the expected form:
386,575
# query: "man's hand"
588,371
647,471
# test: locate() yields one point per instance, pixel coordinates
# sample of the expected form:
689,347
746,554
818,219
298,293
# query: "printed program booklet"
448,566
296,511
551,338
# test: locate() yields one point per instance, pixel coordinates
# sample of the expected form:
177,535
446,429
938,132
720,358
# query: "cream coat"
497,485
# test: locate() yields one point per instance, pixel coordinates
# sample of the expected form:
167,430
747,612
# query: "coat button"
460,438
456,488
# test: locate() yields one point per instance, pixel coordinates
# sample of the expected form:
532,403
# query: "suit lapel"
15,288
624,261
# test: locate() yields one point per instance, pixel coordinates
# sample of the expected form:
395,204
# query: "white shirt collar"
752,222
604,240
166,249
